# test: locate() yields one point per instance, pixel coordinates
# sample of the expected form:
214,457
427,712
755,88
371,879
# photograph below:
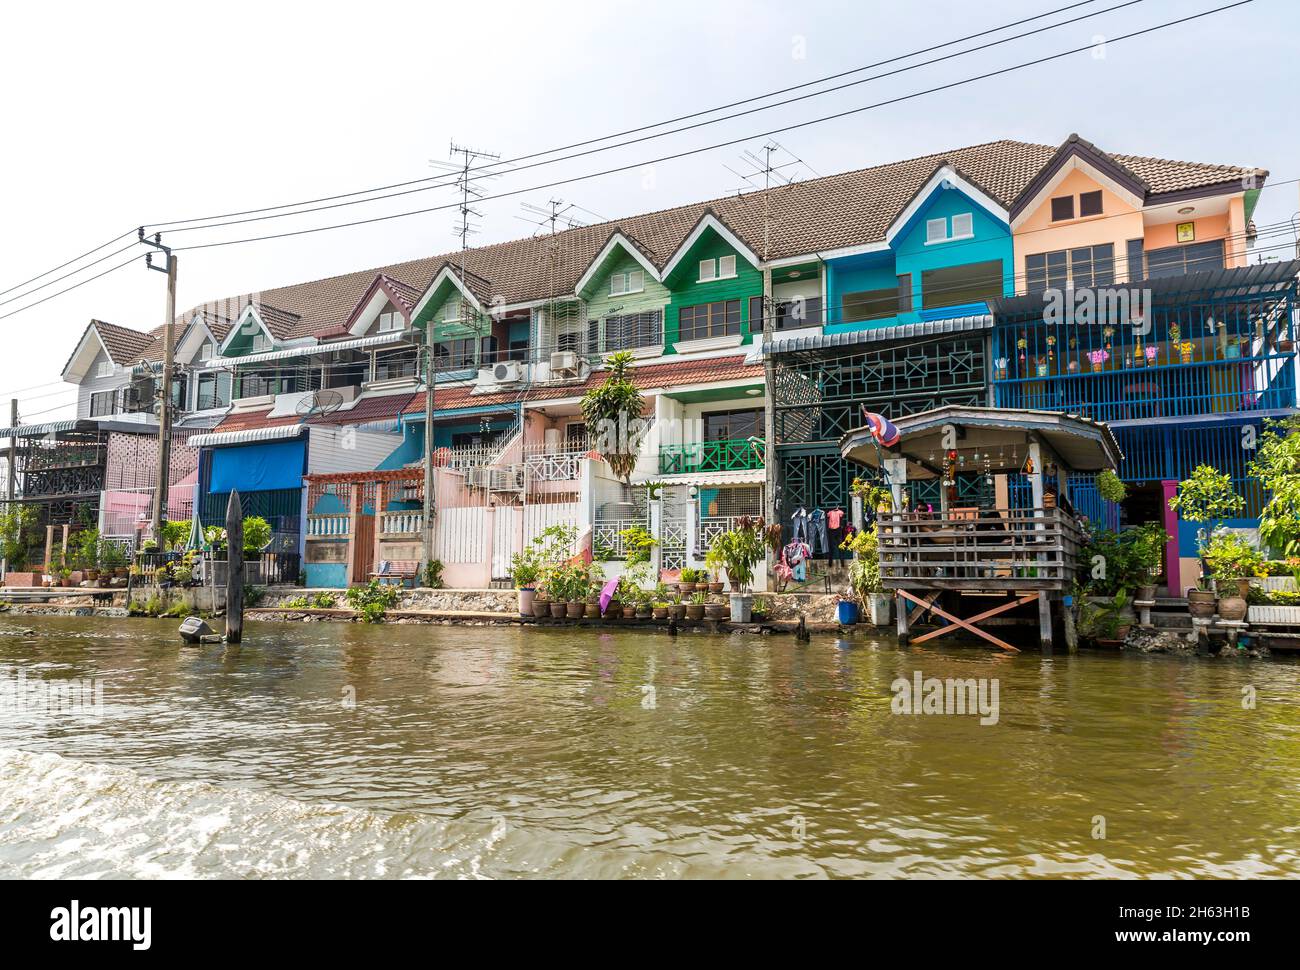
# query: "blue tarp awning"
258,467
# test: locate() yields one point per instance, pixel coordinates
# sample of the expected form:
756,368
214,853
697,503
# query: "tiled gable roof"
819,215
124,345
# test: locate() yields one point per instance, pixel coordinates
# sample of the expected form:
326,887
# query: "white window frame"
726,267
708,271
451,312
261,343
620,284
104,368
968,220
207,350
391,322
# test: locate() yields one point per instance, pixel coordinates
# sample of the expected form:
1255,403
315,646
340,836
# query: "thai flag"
882,429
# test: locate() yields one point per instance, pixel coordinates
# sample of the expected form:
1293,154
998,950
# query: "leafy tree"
612,413
18,534
1277,465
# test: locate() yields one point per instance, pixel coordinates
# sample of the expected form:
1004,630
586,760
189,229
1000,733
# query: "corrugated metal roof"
1231,283
248,436
40,430
902,331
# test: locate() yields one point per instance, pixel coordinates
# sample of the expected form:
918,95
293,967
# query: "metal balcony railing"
733,454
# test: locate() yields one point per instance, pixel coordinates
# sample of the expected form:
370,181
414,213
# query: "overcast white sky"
117,114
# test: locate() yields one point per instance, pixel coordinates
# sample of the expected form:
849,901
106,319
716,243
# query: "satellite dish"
319,403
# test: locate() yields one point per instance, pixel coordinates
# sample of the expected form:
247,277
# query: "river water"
331,750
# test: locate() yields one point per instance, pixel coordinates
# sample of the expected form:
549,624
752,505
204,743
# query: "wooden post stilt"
1044,619
235,575
901,605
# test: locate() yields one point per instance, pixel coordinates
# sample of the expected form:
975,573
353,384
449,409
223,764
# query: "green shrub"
373,600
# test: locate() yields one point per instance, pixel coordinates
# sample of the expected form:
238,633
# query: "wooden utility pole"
163,483
235,572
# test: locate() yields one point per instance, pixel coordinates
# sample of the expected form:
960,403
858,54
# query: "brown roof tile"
818,215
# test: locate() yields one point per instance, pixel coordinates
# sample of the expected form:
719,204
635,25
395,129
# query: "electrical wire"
695,151
443,179
514,169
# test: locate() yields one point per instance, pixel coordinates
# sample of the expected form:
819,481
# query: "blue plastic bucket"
847,613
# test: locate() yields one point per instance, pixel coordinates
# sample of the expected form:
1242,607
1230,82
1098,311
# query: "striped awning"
755,476
314,350
38,430
216,439
903,331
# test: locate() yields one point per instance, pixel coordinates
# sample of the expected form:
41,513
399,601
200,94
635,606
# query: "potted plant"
659,610
1115,621
1206,496
864,575
1233,562
1098,358
740,550
1185,350
686,581
695,608
676,608
713,566
1146,544
525,570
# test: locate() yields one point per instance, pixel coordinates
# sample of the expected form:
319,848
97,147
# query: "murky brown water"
501,752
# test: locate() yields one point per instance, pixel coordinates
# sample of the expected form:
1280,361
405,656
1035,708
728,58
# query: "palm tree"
612,412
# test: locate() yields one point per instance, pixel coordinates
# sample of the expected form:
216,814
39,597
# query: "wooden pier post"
235,573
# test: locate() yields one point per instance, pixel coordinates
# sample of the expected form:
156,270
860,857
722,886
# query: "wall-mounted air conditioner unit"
507,372
564,363
479,477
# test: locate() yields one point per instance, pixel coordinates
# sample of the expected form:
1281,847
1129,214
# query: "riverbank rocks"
1161,641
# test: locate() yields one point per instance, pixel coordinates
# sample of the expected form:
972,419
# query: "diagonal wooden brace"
969,624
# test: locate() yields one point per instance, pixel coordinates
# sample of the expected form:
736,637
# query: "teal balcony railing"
731,455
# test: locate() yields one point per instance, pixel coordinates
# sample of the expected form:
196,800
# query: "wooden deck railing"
979,549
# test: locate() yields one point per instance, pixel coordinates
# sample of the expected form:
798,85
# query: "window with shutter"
726,267
963,225
936,230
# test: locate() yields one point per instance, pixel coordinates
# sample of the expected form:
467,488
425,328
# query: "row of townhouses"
763,326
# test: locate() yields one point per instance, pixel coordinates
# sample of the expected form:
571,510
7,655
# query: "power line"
68,263
630,131
80,269
633,141
695,151
68,289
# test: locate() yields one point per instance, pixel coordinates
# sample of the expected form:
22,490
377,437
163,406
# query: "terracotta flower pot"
695,611
629,611
660,613
1232,608
541,608
1145,593
1200,603
559,610
677,611
576,609
716,611
1243,587
593,611
715,587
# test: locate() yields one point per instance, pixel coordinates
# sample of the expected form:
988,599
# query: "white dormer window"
632,281
104,368
451,312
261,343
723,268
208,350
963,227
388,322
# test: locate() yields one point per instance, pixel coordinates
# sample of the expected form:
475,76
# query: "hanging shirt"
834,517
